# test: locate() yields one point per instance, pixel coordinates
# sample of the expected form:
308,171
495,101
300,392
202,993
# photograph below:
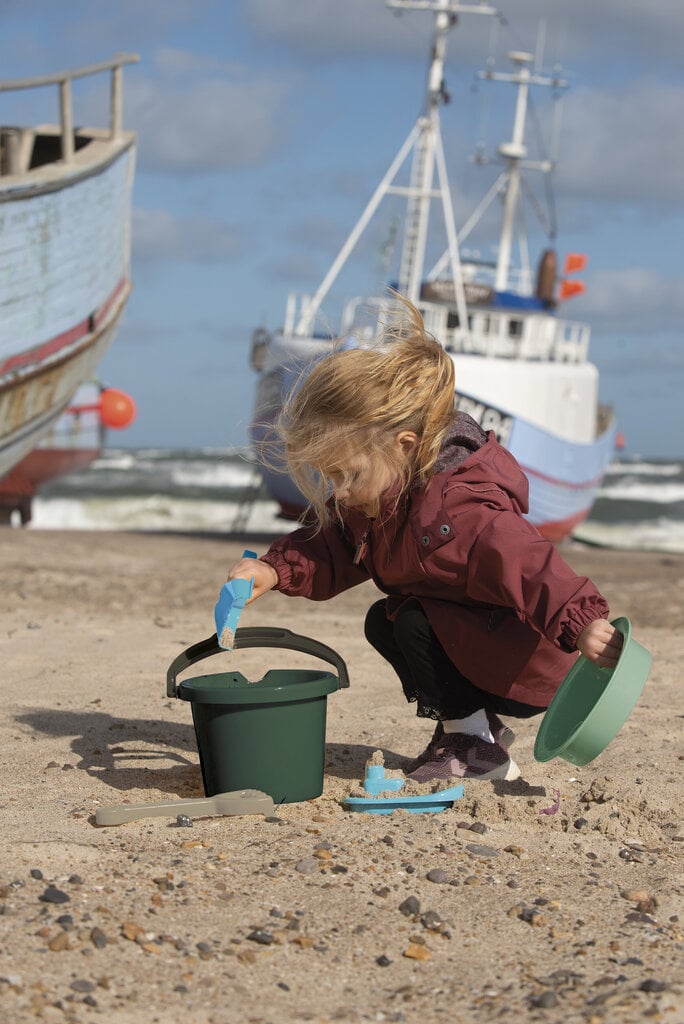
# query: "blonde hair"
359,399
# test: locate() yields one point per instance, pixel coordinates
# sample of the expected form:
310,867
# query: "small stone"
60,942
53,895
431,920
262,937
651,985
183,989
98,938
636,895
416,952
580,823
75,880
285,987
307,866
205,951
515,851
130,930
36,873
481,851
82,985
183,821
410,906
479,827
383,961
66,922
437,875
545,1000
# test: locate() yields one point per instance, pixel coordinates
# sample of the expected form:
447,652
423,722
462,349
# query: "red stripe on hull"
561,528
41,352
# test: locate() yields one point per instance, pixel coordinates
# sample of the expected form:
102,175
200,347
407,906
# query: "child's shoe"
462,756
428,753
501,733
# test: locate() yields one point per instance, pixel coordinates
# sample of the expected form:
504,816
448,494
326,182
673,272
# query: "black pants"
427,675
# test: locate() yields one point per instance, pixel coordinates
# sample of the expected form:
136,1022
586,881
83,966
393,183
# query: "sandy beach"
490,910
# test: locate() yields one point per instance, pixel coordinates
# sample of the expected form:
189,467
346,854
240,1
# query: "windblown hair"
358,399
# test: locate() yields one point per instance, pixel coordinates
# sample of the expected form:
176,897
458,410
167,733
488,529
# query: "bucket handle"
255,636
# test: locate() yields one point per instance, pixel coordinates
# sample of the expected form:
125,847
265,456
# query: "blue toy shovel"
233,597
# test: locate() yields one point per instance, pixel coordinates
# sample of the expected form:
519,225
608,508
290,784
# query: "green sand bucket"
267,735
592,704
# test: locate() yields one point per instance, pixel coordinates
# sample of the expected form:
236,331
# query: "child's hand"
265,576
601,643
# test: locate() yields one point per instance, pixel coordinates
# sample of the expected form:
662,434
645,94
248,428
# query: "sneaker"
462,756
427,754
504,736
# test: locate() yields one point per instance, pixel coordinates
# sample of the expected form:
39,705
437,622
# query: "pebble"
53,895
481,851
431,920
183,821
417,952
479,827
66,922
36,873
383,961
438,875
98,938
410,906
651,985
262,937
307,866
60,942
82,985
545,1000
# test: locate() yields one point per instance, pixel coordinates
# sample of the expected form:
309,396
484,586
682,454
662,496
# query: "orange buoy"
117,409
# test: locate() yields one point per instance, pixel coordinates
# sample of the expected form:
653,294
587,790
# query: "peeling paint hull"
64,282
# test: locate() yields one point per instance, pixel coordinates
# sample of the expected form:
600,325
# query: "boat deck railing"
17,143
533,336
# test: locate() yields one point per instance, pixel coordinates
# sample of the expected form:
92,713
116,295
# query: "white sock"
476,724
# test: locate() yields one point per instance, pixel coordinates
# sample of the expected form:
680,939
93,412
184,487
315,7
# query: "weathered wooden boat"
65,212
522,370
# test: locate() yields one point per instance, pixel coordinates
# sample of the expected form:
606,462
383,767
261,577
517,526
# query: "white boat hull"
564,475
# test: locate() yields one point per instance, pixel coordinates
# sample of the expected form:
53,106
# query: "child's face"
359,480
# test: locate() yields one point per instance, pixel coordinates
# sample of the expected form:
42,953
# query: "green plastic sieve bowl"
592,704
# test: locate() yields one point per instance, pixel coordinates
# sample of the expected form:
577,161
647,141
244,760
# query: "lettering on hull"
488,417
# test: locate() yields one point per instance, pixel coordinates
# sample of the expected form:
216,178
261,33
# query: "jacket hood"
472,457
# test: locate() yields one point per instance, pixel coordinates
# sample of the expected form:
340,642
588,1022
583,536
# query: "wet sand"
490,910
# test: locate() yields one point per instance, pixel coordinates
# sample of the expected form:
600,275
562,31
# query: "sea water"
640,504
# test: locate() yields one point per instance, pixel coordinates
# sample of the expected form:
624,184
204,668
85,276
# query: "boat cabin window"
452,321
515,328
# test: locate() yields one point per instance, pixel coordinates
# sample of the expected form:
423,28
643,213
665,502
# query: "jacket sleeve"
315,565
512,565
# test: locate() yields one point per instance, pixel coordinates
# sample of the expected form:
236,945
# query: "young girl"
482,615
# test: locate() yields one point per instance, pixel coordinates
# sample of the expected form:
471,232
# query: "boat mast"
426,143
420,191
515,152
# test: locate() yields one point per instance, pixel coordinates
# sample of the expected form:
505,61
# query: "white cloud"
635,300
206,125
624,145
158,235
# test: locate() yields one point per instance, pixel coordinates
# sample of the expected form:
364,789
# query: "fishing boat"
522,368
65,213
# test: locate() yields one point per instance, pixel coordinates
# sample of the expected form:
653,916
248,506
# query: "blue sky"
265,125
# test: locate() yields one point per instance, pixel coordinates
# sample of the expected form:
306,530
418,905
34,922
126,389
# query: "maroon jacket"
505,606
